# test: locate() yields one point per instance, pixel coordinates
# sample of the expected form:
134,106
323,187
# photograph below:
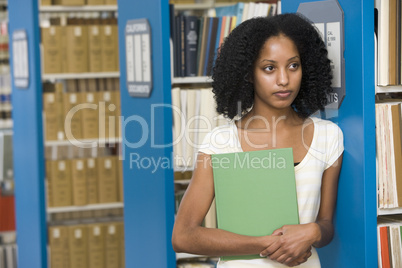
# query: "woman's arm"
188,233
296,239
329,191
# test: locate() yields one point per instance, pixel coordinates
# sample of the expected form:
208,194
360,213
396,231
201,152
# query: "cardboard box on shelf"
109,48
112,245
90,116
52,38
59,179
77,48
107,184
72,115
58,246
53,113
95,48
96,246
79,182
107,113
78,244
92,177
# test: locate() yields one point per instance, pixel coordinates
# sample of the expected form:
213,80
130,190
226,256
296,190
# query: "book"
203,46
182,47
176,45
389,152
255,192
191,45
392,43
210,51
385,257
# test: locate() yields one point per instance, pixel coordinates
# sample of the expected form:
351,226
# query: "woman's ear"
249,77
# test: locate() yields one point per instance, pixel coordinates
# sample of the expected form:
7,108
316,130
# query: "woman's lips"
283,94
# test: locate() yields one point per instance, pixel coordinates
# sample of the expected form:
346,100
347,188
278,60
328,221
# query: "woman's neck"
268,118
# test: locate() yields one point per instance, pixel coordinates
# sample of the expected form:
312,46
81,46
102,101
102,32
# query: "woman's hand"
301,259
294,243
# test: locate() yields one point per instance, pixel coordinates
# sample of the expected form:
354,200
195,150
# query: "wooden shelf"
86,142
85,208
52,77
46,9
192,80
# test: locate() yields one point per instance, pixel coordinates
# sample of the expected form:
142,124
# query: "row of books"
194,116
389,241
196,39
389,43
389,153
88,114
77,182
98,245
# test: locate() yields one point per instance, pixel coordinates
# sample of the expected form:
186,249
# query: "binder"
255,192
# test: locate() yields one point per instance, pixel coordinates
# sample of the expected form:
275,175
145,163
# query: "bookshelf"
388,87
148,205
29,157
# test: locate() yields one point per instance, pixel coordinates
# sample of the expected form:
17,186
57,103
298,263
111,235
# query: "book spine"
191,35
182,48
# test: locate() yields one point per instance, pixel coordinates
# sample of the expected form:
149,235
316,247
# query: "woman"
270,76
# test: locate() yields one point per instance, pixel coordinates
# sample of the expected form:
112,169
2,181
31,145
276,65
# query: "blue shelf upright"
147,133
28,150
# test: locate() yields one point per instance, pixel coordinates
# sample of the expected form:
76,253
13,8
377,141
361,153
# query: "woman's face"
277,73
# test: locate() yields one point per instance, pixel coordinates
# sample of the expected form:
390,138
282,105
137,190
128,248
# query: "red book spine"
384,247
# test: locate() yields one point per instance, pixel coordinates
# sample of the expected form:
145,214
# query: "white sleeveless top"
325,149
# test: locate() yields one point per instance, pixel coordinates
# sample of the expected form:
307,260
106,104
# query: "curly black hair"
233,69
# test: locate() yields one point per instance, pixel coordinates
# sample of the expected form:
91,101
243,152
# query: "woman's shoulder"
221,139
327,133
324,124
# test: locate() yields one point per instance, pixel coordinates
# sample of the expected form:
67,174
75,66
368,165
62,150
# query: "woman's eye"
294,66
269,68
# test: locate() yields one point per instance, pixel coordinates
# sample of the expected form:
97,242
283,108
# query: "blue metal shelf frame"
28,149
355,241
148,192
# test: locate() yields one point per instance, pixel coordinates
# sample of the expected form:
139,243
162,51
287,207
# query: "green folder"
255,192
